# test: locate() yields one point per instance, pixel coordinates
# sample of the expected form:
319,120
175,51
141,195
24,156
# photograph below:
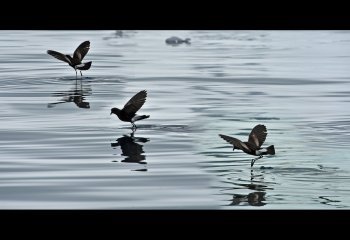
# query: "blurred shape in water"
175,41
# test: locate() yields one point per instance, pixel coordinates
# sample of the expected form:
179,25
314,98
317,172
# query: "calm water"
60,147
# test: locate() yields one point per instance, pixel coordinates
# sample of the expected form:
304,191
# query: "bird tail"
115,144
187,40
86,66
271,150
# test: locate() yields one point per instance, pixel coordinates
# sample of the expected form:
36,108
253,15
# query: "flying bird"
253,146
75,61
128,113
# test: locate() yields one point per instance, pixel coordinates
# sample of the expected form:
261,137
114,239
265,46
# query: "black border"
174,15
257,219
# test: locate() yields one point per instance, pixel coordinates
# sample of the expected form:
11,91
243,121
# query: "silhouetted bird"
253,146
128,113
75,61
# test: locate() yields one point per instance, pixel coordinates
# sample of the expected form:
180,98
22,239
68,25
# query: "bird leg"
251,175
253,160
81,74
133,126
76,74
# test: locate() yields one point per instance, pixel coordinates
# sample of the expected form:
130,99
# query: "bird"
253,146
128,113
75,61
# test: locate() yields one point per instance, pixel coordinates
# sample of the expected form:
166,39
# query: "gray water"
61,149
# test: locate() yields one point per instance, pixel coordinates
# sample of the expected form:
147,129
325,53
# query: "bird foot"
133,128
253,160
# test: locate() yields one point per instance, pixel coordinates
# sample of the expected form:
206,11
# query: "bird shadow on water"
132,149
76,94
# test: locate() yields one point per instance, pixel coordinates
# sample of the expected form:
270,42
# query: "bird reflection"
131,148
253,199
76,95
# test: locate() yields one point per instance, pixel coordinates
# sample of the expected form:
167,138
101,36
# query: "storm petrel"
128,113
75,61
253,146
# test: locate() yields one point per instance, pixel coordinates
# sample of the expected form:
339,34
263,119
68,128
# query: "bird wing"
258,135
235,142
135,103
59,56
81,51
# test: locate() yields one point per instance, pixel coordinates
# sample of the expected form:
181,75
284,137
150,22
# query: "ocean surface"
61,149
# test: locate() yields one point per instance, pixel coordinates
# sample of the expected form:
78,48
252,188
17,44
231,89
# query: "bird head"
115,111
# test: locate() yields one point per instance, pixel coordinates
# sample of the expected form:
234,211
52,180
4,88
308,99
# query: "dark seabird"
253,146
75,61
128,113
177,41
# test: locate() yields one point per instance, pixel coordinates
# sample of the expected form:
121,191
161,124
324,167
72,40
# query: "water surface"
61,149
